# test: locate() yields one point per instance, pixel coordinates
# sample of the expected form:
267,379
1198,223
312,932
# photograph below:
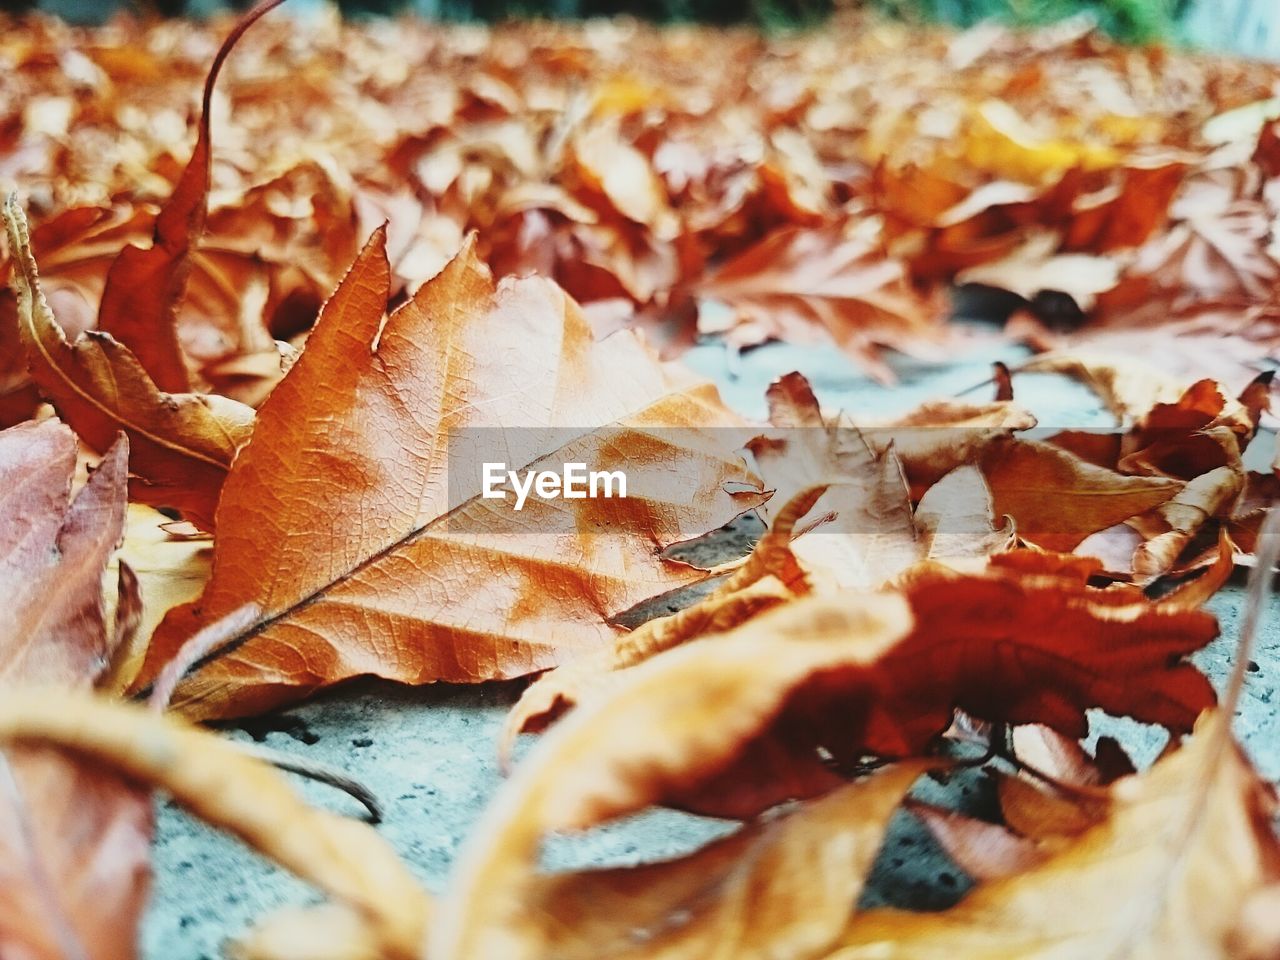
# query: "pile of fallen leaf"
231,373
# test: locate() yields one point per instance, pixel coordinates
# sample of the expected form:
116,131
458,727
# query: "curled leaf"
217,783
182,444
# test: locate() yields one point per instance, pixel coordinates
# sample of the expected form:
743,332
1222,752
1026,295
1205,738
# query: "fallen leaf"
170,569
74,838
955,517
647,742
936,437
768,577
1035,267
985,851
1166,874
1024,641
1170,527
345,858
1056,499
1129,386
144,287
777,888
860,532
181,444
799,284
464,360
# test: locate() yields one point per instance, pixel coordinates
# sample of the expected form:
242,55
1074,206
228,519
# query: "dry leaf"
822,188
345,858
1127,385
1034,268
170,569
144,288
1056,499
778,888
182,444
74,838
955,518
797,282
380,400
859,532
1166,874
675,721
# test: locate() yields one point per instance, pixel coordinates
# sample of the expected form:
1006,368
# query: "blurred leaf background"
1139,21
1133,20
1249,27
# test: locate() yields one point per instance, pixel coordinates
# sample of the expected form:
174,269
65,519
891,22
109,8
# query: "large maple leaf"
355,525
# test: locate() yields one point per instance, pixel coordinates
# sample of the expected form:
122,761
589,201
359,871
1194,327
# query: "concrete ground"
429,755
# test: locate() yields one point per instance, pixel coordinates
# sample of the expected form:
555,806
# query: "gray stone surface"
429,753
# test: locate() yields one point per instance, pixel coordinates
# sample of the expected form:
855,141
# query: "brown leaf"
776,888
936,437
606,164
1174,523
1042,812
1167,874
144,288
1025,641
1129,386
1057,499
860,531
181,444
170,569
768,577
1028,642
647,742
345,858
955,516
74,838
1036,267
985,851
806,285
380,400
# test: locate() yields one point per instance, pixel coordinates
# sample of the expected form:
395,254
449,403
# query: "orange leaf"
181,444
371,529
1057,499
834,283
1169,872
672,722
144,287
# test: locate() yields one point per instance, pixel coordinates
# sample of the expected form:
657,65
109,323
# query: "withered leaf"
1024,641
840,517
74,838
1169,873
672,723
181,444
345,858
1056,499
859,532
796,283
445,586
170,569
781,887
1128,385
144,288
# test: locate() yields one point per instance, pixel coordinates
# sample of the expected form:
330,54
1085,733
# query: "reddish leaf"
74,839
